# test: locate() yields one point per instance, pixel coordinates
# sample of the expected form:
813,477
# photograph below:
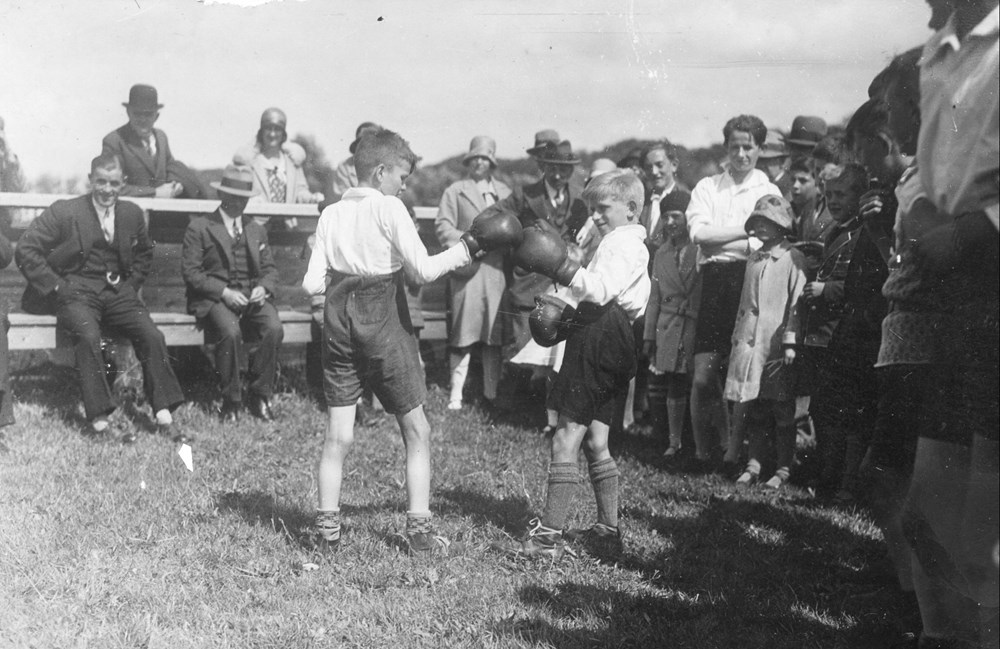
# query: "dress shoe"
128,437
260,407
229,411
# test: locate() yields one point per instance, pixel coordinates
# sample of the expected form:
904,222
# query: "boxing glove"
550,321
494,230
543,250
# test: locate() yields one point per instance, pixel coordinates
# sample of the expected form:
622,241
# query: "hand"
813,290
166,190
789,355
872,204
258,295
649,348
234,299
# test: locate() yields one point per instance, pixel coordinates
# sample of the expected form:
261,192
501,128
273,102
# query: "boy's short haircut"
748,124
106,161
852,174
902,75
382,147
802,164
620,185
664,145
869,120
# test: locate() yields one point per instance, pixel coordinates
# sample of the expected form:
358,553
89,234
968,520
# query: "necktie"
654,215
237,231
278,186
149,144
108,225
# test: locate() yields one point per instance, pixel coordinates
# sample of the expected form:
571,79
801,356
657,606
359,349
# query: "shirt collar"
100,209
779,249
361,192
636,230
551,191
946,36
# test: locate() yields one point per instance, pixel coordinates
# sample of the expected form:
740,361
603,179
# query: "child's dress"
673,307
767,321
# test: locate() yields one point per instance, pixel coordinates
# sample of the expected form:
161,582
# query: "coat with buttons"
767,322
672,312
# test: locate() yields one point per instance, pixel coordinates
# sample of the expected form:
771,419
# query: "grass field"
103,545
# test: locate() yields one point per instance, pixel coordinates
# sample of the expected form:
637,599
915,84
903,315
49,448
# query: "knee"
594,448
228,333
705,382
274,331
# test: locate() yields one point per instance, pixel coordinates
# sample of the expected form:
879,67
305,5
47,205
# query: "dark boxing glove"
496,230
543,250
550,320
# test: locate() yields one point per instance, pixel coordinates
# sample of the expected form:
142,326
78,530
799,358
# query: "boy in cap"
773,161
363,244
600,359
764,341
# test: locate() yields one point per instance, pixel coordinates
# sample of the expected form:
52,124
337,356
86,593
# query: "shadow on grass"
509,514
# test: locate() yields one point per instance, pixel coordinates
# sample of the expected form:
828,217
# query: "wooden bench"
40,332
164,290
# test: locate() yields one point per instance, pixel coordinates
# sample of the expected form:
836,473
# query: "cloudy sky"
439,72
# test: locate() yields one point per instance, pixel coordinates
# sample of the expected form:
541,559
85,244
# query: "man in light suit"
231,277
149,166
85,260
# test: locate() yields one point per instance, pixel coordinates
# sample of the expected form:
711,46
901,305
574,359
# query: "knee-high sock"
563,478
459,370
604,477
492,358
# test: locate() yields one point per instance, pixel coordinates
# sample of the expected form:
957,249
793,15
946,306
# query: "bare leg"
416,433
459,371
706,399
339,437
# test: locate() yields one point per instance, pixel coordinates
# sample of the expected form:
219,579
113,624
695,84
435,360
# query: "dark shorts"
369,342
721,286
598,363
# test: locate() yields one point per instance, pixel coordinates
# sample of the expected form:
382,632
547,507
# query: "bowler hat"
543,137
274,116
482,146
775,209
774,145
807,130
363,128
237,181
561,153
142,97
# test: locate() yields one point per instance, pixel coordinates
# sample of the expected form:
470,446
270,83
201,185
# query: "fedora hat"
237,181
142,97
774,145
363,128
542,138
482,146
806,131
561,153
774,209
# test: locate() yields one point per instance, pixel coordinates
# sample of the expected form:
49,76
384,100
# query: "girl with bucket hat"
767,325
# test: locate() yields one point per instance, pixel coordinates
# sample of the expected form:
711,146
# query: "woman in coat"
277,167
477,289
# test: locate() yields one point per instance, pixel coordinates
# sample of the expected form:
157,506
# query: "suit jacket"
58,242
529,204
207,257
143,173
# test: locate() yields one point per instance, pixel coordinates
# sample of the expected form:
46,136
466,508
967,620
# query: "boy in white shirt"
363,244
600,358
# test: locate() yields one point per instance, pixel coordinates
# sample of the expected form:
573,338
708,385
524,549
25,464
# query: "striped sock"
604,478
328,524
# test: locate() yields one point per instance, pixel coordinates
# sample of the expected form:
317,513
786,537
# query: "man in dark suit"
554,199
150,167
85,260
231,276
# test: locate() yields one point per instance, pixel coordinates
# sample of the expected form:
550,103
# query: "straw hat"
237,181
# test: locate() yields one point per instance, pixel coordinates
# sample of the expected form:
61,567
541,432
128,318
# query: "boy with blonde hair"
363,244
600,359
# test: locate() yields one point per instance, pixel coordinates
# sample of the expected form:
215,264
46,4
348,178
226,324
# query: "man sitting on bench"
85,260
